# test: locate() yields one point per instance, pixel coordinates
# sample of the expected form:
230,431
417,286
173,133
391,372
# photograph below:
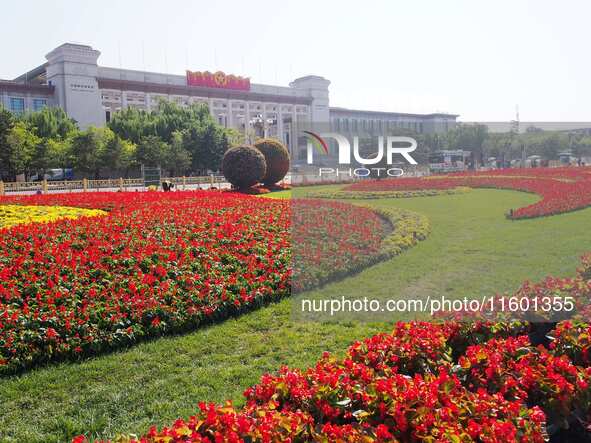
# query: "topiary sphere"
277,158
244,166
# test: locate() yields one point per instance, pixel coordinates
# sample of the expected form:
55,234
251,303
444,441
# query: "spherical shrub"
277,158
244,166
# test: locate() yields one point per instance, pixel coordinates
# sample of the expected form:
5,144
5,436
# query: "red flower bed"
154,265
502,391
332,239
481,381
517,371
366,398
161,263
561,189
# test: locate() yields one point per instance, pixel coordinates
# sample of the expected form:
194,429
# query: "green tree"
170,118
6,124
581,146
235,137
133,124
54,128
21,144
469,137
94,150
202,136
151,151
50,123
177,159
59,153
207,144
41,159
547,144
501,145
553,145
88,149
117,154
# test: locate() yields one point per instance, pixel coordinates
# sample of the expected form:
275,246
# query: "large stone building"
72,79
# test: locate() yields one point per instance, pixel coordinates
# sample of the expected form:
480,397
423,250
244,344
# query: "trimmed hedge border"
409,228
374,195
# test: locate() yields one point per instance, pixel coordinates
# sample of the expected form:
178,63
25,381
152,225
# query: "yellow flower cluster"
11,215
409,228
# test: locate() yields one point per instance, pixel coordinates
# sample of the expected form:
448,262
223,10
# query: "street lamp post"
261,126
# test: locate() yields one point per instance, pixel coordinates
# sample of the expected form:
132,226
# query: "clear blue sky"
475,58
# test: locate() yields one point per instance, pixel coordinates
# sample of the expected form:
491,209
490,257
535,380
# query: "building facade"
72,79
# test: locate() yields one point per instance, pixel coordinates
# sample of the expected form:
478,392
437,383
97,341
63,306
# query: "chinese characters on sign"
217,80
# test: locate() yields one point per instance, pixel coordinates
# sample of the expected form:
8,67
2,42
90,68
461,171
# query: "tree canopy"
50,123
188,140
181,140
174,137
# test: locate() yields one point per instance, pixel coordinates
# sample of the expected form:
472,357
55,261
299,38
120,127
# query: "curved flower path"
561,189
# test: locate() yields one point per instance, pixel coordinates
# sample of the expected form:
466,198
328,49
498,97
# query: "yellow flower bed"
11,215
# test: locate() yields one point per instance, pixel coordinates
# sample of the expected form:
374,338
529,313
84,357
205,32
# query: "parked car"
54,175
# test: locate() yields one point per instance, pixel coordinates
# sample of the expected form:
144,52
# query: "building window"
39,103
17,105
107,116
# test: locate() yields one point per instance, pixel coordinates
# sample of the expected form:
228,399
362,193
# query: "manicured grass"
159,381
472,250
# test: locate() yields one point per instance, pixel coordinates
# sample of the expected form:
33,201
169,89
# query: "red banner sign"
217,80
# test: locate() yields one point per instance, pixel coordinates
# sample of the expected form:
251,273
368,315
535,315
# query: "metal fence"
116,184
181,183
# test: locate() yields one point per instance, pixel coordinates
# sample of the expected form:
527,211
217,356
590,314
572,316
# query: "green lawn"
472,250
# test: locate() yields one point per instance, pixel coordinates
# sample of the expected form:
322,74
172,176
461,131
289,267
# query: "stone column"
294,135
210,104
28,102
229,117
264,117
280,124
246,119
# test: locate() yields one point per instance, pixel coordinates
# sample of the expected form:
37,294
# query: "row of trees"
507,145
179,140
187,140
504,146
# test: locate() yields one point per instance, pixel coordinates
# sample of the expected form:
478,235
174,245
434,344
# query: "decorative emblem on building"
217,80
220,79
